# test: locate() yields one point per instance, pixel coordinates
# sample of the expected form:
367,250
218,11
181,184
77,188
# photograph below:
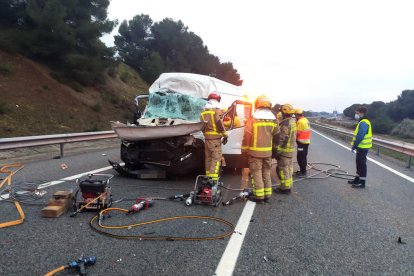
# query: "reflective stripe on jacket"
214,128
258,137
303,131
287,138
366,142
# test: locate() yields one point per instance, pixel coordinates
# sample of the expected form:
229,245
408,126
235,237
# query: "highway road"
323,227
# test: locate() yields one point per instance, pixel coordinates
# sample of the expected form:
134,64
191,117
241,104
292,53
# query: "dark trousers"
302,156
361,162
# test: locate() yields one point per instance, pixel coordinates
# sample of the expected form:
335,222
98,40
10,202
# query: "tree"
403,107
141,43
65,35
132,43
350,111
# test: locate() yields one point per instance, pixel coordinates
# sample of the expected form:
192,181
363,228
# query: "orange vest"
303,131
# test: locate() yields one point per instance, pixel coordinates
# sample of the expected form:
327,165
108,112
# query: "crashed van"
166,132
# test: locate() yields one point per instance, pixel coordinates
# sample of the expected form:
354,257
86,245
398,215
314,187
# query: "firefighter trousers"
212,151
285,172
260,172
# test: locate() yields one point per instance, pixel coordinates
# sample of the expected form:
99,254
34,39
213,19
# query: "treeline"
395,117
65,35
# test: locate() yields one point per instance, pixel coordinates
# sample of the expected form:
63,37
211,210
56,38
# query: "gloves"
353,150
224,140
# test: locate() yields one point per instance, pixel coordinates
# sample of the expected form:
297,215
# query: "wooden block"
53,211
58,202
63,194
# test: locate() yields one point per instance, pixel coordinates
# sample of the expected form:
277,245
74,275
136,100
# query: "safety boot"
355,181
281,191
360,184
257,200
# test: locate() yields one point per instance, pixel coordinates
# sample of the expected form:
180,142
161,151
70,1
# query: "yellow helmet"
287,109
299,111
262,102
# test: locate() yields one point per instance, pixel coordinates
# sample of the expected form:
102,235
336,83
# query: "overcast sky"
318,55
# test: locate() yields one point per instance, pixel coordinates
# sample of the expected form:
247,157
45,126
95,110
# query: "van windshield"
168,104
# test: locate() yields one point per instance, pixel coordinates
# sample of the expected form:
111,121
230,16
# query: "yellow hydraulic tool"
9,171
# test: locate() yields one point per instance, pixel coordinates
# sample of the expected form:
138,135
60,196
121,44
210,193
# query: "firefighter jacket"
303,131
363,135
214,128
287,137
258,134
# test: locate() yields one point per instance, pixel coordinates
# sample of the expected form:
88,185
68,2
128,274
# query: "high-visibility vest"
214,128
258,137
366,142
303,131
287,138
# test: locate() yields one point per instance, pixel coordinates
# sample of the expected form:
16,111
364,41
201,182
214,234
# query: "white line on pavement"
370,159
230,255
69,178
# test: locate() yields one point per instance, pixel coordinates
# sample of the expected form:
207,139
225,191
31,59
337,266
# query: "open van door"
235,119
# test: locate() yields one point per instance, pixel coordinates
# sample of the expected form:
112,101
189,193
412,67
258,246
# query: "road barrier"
61,139
401,147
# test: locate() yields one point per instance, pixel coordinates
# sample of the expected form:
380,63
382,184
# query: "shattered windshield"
168,104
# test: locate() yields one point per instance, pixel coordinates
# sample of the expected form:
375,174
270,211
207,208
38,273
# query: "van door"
234,121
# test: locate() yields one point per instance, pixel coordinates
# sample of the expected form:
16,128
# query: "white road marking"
229,259
69,178
370,159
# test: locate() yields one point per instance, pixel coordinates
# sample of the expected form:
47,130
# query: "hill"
34,103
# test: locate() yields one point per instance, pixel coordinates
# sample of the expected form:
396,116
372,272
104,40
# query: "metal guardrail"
401,147
61,139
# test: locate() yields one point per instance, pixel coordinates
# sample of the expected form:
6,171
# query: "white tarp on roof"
193,84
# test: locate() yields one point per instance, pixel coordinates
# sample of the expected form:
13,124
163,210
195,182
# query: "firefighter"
257,145
285,149
302,140
276,112
213,132
361,142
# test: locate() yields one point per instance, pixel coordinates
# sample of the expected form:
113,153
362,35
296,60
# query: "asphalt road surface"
323,227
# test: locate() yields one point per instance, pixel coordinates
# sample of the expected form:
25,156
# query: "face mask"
357,117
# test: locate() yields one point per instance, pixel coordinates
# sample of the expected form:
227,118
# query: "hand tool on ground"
141,203
242,196
78,264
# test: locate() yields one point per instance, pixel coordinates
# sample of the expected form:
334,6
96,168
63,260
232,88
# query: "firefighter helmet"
262,102
287,109
214,96
299,111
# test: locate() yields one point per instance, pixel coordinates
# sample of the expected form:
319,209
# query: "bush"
382,124
5,69
3,108
97,107
405,129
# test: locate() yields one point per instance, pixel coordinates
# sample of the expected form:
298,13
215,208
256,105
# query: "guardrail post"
61,149
378,150
409,162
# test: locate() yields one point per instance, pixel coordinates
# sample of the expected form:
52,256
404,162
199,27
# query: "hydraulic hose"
146,237
11,170
320,174
54,271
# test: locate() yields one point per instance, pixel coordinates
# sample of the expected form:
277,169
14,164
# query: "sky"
319,55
